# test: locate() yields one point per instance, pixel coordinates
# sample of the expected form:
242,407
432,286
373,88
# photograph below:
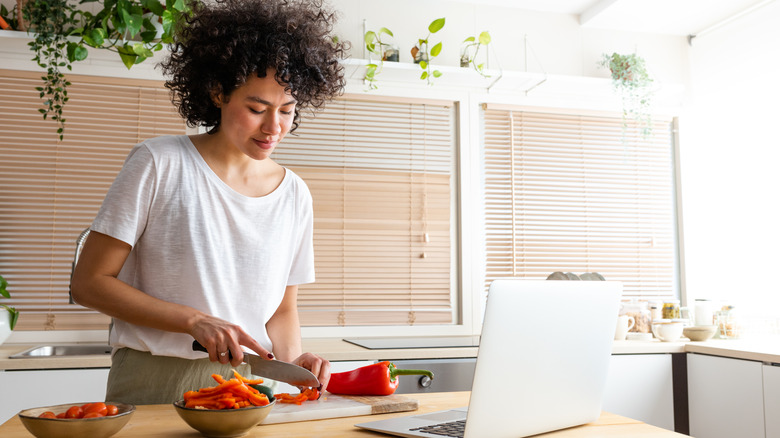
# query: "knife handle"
196,346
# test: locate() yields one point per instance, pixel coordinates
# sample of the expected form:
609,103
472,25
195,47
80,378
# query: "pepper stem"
402,372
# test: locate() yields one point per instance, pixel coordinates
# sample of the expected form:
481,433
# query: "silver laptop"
542,362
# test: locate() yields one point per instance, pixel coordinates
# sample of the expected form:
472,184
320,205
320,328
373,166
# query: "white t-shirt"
196,241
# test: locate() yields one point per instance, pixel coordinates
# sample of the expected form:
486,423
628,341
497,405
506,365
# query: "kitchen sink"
64,350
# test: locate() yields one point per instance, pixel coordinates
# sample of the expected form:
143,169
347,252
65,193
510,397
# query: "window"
579,193
381,174
52,190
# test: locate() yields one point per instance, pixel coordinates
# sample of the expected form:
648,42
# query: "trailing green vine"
468,58
423,56
52,21
134,29
632,80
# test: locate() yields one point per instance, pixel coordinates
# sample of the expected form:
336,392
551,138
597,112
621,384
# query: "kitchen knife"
274,369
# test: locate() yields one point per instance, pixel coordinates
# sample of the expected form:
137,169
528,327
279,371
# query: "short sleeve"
125,209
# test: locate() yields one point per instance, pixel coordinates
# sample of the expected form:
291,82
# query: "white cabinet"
639,386
725,397
771,376
31,388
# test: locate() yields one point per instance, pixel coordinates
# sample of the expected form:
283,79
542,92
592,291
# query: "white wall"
557,43
730,154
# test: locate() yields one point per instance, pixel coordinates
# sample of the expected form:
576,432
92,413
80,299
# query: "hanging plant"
632,80
51,20
385,51
470,50
423,56
134,29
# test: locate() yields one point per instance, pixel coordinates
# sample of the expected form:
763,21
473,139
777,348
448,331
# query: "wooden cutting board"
333,406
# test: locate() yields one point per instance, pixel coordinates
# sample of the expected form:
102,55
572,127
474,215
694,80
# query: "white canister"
704,312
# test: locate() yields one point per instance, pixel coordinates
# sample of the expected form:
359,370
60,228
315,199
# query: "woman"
205,236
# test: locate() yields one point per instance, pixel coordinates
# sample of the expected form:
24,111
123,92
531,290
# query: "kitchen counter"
162,421
335,349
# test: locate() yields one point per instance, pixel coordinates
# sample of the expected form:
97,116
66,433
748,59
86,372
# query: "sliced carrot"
228,394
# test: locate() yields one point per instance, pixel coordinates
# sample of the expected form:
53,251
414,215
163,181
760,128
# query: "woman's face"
257,116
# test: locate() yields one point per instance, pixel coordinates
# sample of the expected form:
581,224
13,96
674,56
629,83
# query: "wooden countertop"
335,349
161,421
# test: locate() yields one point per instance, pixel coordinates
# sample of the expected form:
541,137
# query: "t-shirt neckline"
198,158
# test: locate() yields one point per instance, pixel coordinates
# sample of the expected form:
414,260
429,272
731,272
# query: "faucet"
79,243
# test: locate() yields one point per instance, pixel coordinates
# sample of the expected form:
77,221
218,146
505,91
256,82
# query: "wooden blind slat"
381,175
579,193
52,190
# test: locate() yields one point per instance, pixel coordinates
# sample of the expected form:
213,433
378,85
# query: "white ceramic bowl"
668,331
700,333
223,423
101,427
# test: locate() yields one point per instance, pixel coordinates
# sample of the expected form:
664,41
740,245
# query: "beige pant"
139,378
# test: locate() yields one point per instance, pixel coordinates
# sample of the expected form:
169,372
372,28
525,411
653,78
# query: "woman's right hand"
223,339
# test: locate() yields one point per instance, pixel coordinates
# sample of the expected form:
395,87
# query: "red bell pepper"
375,379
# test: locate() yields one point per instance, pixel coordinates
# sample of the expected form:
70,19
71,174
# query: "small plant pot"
5,325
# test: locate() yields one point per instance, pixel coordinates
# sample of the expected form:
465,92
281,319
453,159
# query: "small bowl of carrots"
229,409
95,420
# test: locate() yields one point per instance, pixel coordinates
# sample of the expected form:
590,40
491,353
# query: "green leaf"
14,312
128,57
436,25
436,73
141,50
179,5
385,30
423,65
133,22
371,48
469,40
484,38
4,287
424,75
148,36
155,6
369,37
436,50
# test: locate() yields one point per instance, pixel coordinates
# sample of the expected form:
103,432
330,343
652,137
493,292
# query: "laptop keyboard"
451,428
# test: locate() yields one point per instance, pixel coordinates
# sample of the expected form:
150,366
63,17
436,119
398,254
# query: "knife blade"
274,369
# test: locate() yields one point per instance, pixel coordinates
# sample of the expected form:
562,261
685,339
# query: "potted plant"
385,51
632,80
422,55
135,29
8,315
470,50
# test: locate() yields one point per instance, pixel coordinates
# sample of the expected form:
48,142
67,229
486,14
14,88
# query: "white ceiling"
669,17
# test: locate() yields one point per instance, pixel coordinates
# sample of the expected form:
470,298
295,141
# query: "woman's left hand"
317,365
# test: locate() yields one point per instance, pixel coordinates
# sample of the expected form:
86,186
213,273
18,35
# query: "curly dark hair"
221,44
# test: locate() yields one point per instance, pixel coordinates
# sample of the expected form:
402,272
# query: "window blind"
381,175
52,190
579,193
